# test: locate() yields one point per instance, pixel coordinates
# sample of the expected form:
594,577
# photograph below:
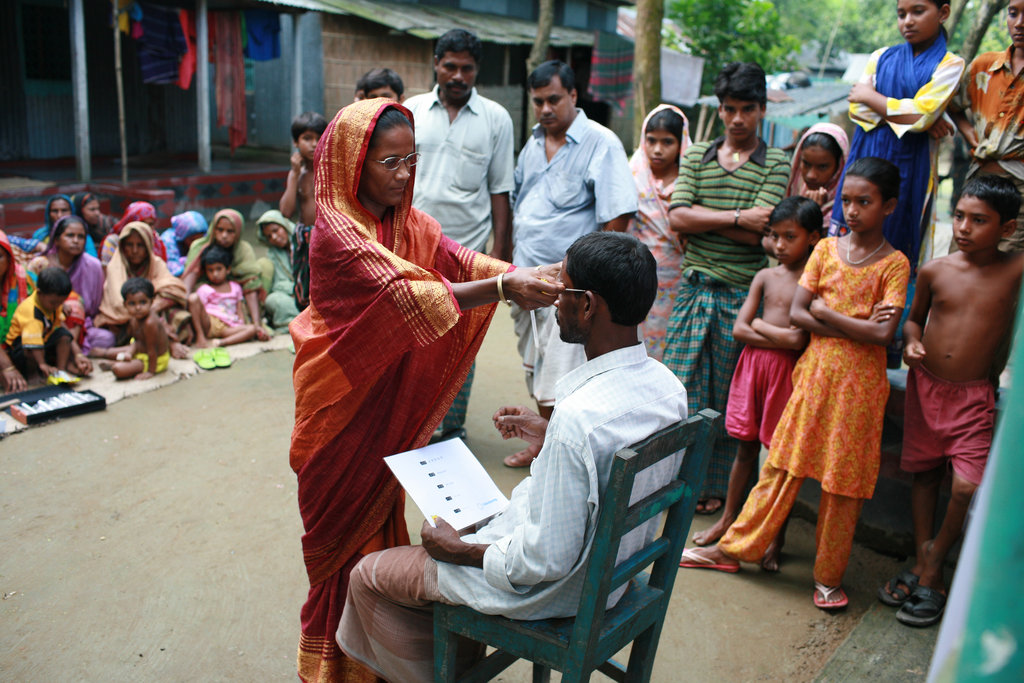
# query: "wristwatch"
736,219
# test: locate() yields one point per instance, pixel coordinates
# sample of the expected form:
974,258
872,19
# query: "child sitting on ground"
762,382
960,319
276,232
37,338
150,348
380,83
217,307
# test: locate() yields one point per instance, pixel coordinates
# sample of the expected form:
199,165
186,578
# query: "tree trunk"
988,10
646,61
539,51
956,11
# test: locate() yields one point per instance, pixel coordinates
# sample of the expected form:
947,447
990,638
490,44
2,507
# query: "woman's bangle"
501,292
10,369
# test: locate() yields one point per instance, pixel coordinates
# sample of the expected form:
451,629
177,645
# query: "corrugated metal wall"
39,124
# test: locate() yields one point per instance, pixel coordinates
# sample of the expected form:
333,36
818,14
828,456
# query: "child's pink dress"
226,307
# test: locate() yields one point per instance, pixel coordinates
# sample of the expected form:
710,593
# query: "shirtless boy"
298,191
762,382
149,351
956,331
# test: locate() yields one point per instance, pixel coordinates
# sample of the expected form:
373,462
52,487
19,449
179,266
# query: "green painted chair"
577,646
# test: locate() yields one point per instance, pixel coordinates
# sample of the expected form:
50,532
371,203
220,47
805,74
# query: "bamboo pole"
119,79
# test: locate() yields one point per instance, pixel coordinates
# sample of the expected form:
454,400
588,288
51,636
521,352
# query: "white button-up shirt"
463,163
536,562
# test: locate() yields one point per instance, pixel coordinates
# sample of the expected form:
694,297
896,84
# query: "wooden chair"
579,645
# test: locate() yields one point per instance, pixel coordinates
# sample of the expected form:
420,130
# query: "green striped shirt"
760,181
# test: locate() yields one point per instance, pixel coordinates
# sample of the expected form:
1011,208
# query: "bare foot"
522,458
770,561
104,365
179,350
714,532
709,506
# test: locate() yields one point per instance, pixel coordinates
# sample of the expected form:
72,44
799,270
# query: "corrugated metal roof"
805,106
428,22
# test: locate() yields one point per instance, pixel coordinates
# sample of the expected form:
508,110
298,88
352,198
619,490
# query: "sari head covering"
796,180
99,230
136,211
13,287
244,268
43,233
187,224
85,272
48,222
381,352
281,257
112,310
650,225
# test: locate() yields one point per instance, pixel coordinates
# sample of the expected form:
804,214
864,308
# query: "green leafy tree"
735,30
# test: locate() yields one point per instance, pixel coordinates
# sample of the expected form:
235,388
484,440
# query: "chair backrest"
617,517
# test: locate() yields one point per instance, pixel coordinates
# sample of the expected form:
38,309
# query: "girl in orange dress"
849,299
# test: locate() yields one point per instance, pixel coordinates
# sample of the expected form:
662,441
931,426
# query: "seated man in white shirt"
529,562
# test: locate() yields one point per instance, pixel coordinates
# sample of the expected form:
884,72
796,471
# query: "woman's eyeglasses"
392,163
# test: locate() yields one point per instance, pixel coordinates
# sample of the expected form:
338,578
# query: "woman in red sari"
397,312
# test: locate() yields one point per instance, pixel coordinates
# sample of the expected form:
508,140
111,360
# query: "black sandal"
924,607
892,595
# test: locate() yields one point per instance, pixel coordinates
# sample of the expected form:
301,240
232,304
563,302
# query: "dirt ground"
159,540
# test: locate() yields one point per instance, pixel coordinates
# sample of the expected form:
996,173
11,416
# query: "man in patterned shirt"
529,561
989,112
725,192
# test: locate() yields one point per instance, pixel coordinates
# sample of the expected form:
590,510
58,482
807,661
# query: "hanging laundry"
263,28
187,68
161,45
229,84
611,69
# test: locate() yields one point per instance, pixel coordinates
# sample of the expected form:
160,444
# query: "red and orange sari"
379,356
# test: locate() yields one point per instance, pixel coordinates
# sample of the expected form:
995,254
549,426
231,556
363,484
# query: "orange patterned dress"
831,429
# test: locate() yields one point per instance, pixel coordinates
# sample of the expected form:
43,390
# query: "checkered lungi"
700,349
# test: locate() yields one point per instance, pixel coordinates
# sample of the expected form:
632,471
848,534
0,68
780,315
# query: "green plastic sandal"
221,357
204,359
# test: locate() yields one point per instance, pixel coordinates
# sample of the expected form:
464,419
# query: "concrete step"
880,648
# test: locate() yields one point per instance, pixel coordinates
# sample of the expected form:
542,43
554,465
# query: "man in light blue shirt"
529,561
465,171
572,178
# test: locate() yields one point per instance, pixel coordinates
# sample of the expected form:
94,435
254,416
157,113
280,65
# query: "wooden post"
203,85
80,92
296,66
700,124
539,50
119,79
646,61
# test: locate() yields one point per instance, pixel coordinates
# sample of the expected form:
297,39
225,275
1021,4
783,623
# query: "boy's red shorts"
947,421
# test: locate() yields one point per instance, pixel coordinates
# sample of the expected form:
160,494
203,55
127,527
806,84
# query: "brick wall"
353,46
